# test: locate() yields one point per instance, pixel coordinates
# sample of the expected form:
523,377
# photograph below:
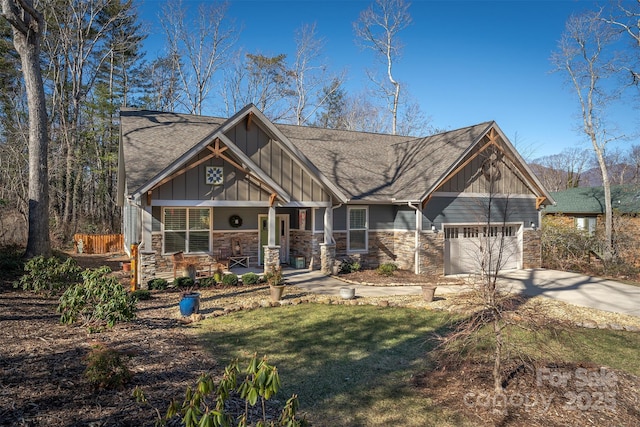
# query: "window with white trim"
587,224
358,229
186,229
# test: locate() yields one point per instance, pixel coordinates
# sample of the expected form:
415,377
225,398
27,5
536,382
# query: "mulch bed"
42,362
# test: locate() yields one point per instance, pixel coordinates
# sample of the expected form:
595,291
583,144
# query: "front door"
282,236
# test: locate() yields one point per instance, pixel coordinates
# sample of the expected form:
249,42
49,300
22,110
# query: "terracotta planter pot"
126,266
428,291
276,292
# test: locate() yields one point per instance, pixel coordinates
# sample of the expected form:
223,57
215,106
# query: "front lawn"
357,365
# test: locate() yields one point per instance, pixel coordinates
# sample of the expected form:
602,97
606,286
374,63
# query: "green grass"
352,365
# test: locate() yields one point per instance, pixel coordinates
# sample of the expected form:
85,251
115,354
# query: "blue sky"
464,61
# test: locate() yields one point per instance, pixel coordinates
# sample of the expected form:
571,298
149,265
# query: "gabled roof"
590,200
354,166
155,140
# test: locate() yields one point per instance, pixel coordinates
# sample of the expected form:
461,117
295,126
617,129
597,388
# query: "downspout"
416,244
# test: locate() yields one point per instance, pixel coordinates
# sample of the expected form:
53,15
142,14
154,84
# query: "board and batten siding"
266,153
471,178
474,210
276,162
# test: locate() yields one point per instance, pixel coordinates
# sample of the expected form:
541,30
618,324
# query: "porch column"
147,223
328,248
328,225
271,250
416,255
327,257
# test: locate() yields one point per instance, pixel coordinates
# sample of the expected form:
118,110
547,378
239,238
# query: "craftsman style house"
281,193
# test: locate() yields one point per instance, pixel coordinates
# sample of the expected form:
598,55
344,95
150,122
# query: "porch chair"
180,262
223,258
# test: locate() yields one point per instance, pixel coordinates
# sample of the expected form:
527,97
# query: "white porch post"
271,250
328,247
328,225
147,223
271,241
416,255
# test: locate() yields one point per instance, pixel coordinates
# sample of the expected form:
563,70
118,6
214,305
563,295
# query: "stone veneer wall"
302,244
531,249
163,264
432,253
384,246
271,258
147,266
249,244
404,243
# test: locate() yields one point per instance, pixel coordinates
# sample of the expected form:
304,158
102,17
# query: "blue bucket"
189,304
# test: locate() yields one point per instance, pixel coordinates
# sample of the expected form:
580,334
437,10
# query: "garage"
468,247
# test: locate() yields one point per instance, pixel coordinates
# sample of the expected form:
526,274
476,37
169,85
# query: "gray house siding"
467,210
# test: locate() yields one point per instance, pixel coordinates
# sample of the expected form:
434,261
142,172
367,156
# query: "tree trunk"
27,25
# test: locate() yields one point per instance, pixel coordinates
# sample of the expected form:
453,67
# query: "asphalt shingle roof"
365,166
590,200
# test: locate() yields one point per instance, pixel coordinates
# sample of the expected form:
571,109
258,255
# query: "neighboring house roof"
590,200
358,166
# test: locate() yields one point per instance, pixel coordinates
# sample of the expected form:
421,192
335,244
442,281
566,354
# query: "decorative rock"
383,303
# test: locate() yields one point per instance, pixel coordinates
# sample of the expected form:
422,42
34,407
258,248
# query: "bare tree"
260,80
628,20
562,171
28,26
378,28
582,54
310,76
198,48
363,116
489,247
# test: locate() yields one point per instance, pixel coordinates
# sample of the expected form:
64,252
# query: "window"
587,224
357,236
186,229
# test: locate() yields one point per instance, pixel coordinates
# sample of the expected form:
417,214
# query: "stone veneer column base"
271,258
327,257
147,268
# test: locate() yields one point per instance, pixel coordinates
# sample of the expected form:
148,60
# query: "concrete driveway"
573,288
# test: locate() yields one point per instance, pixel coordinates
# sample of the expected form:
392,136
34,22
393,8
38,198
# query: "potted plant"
276,283
189,302
428,292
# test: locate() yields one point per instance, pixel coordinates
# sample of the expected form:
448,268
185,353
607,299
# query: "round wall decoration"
235,221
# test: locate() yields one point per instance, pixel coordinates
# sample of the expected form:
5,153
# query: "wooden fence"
98,243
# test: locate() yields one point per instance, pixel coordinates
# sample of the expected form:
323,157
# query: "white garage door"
467,248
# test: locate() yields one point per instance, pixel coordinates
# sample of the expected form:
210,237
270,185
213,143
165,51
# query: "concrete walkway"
573,288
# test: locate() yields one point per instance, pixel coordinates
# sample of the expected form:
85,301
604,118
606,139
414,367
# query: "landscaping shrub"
208,404
250,278
183,282
230,279
49,274
141,294
158,284
207,282
106,368
99,300
11,263
386,269
349,265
